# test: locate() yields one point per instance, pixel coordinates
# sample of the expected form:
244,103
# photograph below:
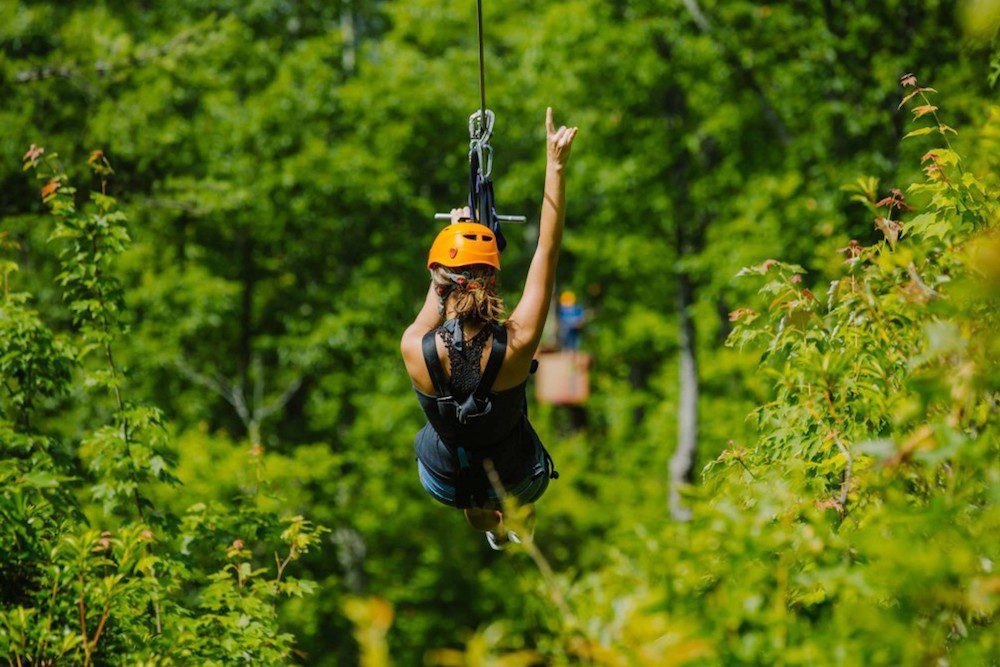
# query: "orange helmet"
465,243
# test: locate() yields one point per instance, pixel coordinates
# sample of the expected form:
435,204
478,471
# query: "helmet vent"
487,238
471,237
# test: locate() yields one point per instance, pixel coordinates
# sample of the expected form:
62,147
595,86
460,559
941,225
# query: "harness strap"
481,199
454,327
498,350
433,362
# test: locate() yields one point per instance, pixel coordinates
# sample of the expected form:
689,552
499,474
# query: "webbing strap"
433,362
481,199
498,350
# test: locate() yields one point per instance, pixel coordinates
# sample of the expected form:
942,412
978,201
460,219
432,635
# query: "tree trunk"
248,279
687,403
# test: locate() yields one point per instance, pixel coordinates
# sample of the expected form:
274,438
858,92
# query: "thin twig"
845,486
528,542
83,624
929,291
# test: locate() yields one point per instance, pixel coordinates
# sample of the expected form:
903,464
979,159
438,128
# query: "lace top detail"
465,364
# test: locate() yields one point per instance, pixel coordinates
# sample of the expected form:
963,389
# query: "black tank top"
485,424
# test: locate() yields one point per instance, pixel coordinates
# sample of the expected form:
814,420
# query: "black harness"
473,406
477,403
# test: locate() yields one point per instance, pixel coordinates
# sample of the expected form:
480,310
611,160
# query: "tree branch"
749,77
104,67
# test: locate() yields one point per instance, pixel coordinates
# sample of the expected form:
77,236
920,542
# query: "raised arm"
428,318
429,315
528,319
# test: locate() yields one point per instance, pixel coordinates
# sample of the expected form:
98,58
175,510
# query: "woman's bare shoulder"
517,360
412,349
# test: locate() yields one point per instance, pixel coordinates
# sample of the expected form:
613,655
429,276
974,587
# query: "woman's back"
514,371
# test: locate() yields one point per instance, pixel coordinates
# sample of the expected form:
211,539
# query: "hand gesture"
460,214
559,142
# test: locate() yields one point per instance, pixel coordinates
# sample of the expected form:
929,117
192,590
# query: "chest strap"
478,402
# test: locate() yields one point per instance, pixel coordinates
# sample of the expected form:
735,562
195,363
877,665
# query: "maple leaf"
908,80
33,153
852,249
890,228
923,110
51,188
829,504
768,263
796,279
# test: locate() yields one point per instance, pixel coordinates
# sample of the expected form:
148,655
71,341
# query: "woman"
470,372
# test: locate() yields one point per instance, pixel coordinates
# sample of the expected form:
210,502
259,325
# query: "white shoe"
499,545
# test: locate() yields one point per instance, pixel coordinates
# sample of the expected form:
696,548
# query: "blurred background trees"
279,163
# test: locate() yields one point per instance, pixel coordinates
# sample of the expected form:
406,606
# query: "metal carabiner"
478,131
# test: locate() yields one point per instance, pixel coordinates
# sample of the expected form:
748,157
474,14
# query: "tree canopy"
213,223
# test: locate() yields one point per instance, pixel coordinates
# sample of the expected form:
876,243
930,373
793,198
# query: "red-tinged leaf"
923,110
908,80
740,313
929,155
796,279
51,188
852,249
829,504
767,264
889,228
33,153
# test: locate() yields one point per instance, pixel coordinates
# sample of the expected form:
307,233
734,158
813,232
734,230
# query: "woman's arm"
411,344
428,318
528,318
429,315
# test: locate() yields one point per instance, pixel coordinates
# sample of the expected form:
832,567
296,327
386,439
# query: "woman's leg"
485,520
492,520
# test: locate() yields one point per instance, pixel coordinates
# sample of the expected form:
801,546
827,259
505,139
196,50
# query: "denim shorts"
526,491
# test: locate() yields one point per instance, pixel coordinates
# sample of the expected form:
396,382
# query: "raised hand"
559,142
460,213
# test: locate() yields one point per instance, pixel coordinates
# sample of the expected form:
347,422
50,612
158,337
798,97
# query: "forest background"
206,430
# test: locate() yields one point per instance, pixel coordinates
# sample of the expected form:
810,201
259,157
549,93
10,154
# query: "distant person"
571,317
470,372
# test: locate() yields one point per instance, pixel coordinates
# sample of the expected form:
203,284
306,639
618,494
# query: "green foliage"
859,528
278,163
76,592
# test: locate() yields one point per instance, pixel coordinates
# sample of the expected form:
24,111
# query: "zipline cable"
482,65
481,202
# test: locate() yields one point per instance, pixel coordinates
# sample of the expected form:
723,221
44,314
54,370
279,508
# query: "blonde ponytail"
472,291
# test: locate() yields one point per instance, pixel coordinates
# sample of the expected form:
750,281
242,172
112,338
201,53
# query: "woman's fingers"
566,138
550,127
